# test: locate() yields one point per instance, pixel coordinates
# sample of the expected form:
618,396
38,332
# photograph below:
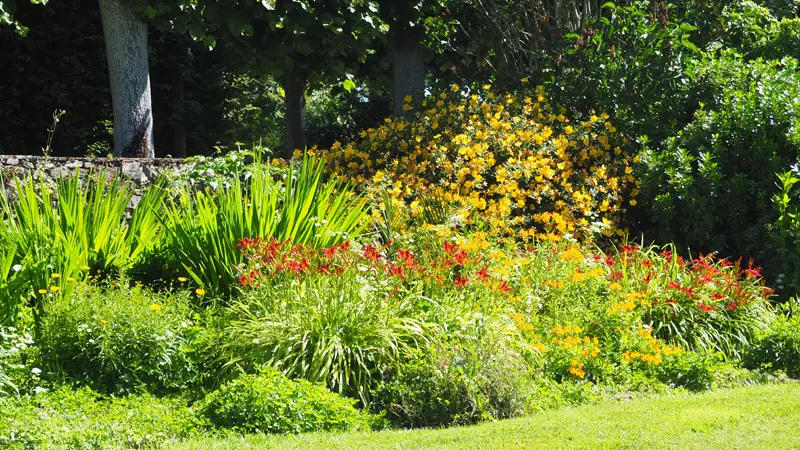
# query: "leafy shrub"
82,419
509,162
710,187
202,227
480,373
271,403
690,370
778,348
635,62
121,339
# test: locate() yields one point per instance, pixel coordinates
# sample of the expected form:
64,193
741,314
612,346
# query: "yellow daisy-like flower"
200,292
43,291
55,288
183,279
55,275
156,307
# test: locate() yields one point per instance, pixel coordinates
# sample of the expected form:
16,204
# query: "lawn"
758,417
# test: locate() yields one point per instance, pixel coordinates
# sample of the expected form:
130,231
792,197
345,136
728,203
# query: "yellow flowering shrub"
512,163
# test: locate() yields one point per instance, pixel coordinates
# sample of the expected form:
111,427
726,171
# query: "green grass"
760,417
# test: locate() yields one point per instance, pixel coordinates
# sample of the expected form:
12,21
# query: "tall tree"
406,20
126,50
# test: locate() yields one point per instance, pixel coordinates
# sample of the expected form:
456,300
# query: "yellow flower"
183,279
43,291
524,80
200,292
156,307
55,275
55,288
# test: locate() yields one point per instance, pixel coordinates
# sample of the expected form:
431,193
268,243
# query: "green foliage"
480,373
48,248
690,370
335,330
67,418
785,232
7,10
778,348
634,62
202,228
121,340
695,184
12,346
271,403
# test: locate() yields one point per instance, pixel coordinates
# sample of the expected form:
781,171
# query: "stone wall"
139,171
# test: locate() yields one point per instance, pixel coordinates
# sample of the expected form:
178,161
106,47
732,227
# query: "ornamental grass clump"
201,228
50,238
513,163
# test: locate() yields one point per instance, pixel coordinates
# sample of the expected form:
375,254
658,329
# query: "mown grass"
759,417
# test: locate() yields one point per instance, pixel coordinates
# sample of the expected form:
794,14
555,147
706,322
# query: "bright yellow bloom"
156,307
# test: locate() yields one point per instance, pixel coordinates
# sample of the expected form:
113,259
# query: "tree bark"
294,87
408,66
126,50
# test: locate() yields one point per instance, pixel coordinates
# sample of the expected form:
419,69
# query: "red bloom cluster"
449,265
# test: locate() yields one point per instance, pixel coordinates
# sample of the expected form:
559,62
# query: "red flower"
324,268
753,272
732,306
460,281
673,285
329,252
371,252
405,255
504,287
483,273
397,271
705,308
629,248
450,247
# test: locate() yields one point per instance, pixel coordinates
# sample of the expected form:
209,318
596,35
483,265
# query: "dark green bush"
637,69
778,349
271,403
66,418
121,339
710,187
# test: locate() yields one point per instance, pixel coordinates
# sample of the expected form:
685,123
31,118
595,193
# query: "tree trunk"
126,50
294,87
408,67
